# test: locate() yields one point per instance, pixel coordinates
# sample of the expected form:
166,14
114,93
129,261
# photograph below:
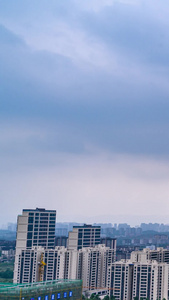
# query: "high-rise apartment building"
35,227
54,263
138,278
160,254
93,266
28,265
150,280
119,283
83,236
89,264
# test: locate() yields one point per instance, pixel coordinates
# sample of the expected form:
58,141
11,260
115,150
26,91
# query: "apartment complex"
139,278
35,228
89,264
38,260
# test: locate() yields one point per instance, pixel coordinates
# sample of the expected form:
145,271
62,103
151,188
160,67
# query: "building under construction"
47,290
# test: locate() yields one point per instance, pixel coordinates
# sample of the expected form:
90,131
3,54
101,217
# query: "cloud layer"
86,83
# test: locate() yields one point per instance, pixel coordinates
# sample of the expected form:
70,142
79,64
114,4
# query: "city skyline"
99,221
84,109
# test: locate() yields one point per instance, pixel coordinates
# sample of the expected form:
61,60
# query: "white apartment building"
119,281
138,277
54,260
160,254
28,265
35,227
93,266
150,280
71,264
89,264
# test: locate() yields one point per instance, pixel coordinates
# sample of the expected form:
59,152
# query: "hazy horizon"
119,219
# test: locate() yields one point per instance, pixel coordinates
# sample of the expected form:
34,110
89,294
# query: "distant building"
83,236
61,241
109,242
11,226
7,254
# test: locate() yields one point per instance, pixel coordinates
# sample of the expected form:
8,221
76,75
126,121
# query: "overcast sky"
84,109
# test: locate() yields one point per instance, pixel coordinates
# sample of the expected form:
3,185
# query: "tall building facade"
28,265
160,254
35,227
89,264
138,279
93,266
83,236
119,283
54,260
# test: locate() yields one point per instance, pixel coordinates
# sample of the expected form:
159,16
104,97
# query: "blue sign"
32,298
65,295
58,296
53,297
70,294
39,298
46,297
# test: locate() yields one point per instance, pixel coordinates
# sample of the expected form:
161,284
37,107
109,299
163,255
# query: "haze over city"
84,109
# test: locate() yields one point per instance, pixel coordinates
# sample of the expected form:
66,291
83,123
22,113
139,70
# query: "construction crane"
41,264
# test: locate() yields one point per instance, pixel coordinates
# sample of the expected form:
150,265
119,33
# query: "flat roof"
86,226
40,210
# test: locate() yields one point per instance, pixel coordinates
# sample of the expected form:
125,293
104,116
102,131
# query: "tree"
97,297
106,298
83,297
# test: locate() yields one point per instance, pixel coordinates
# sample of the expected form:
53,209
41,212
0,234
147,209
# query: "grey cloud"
63,120
86,106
